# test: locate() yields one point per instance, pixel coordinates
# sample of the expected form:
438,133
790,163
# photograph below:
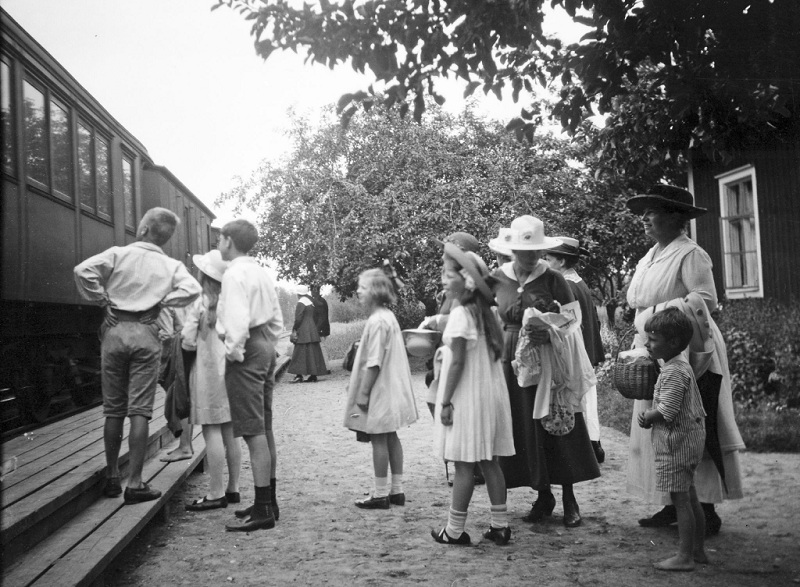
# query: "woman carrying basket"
674,268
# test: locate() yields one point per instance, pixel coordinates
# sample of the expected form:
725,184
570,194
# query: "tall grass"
342,336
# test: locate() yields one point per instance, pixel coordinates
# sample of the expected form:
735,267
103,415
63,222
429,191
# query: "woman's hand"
447,414
537,336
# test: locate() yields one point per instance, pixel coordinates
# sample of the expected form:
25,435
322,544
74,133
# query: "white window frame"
734,175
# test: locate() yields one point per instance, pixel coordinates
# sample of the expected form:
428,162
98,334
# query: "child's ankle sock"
500,516
381,487
397,484
456,521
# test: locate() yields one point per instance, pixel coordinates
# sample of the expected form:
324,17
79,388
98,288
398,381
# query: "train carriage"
74,182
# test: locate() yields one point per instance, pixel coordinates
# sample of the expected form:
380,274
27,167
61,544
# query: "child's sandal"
442,537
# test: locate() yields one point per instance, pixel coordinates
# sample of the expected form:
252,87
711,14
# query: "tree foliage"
343,200
715,75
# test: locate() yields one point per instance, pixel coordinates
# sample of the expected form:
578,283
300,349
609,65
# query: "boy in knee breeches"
249,321
132,283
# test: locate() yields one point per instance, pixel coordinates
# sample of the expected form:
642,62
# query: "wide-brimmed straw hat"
211,264
569,246
474,266
497,246
463,240
666,197
526,233
302,290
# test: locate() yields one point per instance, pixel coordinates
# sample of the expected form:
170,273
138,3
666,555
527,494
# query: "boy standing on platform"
249,322
132,283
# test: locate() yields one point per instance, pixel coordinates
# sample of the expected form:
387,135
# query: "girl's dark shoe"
443,538
203,504
233,496
543,506
500,536
572,514
312,379
297,379
373,503
397,499
665,517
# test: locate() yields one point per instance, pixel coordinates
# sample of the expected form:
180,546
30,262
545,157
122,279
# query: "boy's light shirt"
135,278
248,299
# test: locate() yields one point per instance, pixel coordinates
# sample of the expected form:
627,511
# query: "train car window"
127,191
7,119
103,176
86,166
61,146
35,134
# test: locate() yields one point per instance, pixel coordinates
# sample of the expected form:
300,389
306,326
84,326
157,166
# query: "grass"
343,334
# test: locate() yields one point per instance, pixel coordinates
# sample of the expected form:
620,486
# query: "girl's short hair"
243,233
671,323
380,286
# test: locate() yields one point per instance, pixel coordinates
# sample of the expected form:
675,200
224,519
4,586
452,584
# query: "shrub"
408,310
763,351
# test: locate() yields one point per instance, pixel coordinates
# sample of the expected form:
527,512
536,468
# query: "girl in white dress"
209,397
380,398
473,414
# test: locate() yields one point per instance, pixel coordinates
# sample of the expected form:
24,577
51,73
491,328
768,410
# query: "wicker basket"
635,380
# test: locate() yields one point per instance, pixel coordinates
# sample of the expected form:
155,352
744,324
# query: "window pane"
127,191
62,150
35,134
103,177
6,118
86,165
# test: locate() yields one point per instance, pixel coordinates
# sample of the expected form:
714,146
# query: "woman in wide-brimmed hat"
564,259
541,458
307,357
674,268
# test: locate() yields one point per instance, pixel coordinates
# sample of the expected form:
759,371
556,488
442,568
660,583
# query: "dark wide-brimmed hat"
569,246
474,266
668,198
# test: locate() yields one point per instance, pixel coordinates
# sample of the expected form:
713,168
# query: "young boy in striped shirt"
678,422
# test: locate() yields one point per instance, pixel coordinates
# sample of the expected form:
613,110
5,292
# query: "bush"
408,310
763,351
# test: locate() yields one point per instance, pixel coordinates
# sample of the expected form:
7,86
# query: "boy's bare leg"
137,447
699,528
112,437
684,560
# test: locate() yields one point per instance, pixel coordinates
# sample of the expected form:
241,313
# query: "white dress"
209,398
481,426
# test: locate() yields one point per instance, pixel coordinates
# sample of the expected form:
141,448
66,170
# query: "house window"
93,169
740,235
6,119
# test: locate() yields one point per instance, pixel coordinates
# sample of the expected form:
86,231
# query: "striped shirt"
676,395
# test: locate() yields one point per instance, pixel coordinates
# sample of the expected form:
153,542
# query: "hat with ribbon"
569,246
668,198
302,290
474,267
497,246
211,264
526,233
463,240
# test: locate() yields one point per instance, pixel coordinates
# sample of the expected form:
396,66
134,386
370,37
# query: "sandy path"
322,539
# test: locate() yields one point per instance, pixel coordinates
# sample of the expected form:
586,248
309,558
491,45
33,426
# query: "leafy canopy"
708,74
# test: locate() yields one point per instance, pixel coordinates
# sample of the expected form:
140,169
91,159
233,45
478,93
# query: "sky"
188,84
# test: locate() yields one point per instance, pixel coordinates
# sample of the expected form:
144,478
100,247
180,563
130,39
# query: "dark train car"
74,182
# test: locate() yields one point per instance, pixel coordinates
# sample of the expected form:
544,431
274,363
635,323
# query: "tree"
710,74
383,188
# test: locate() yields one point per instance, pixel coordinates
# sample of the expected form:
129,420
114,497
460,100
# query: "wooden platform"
57,528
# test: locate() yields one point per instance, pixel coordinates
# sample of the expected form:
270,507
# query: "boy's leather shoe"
374,503
397,499
143,493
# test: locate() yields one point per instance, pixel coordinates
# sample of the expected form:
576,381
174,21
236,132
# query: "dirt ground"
323,539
